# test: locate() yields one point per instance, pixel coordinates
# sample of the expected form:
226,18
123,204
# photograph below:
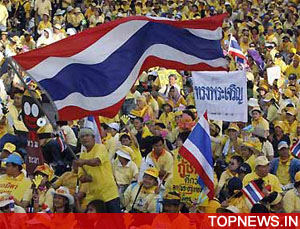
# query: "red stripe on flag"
248,197
257,189
194,162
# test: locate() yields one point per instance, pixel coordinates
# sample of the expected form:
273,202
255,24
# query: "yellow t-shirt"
225,177
19,187
290,69
124,175
270,179
291,201
283,172
103,186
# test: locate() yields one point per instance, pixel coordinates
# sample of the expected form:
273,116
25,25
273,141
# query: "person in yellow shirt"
14,182
45,23
125,171
249,151
43,193
108,140
143,197
294,67
175,99
291,200
167,117
95,169
262,171
285,167
142,109
286,46
59,17
27,40
129,140
162,159
258,121
290,121
77,18
231,171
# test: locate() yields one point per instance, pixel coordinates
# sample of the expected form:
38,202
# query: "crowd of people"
137,166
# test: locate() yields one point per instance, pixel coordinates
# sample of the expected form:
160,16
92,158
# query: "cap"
86,131
114,126
123,153
292,76
255,146
233,126
14,158
244,168
280,124
57,26
291,111
268,97
172,198
152,172
9,147
45,169
256,109
64,191
297,176
261,160
77,10
282,144
253,102
69,8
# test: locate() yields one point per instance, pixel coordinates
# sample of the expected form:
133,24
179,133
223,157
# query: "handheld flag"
253,193
91,73
295,149
236,51
197,150
61,139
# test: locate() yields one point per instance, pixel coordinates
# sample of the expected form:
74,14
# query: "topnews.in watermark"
273,221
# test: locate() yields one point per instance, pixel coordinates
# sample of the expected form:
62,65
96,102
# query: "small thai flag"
12,204
61,141
46,209
295,149
236,51
253,193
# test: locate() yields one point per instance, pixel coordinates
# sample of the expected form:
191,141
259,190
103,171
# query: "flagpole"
53,124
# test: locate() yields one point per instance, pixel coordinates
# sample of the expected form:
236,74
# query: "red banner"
145,221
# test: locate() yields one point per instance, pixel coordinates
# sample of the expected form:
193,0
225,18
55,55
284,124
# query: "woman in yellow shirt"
175,99
143,110
258,121
45,23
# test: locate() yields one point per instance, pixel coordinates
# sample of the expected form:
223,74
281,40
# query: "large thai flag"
236,51
90,73
253,193
295,149
94,124
197,150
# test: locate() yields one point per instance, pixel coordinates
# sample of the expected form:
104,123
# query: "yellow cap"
280,124
291,111
297,176
233,126
152,172
9,147
288,93
45,169
256,146
261,160
269,96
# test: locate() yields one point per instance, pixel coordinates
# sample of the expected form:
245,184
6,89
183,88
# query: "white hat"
69,8
71,31
253,102
114,126
64,191
282,144
4,199
233,209
123,154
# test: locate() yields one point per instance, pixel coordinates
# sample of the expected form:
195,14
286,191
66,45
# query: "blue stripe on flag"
92,80
252,193
296,150
205,145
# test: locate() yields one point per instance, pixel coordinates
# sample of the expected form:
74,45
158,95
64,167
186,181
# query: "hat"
232,209
233,126
291,111
255,146
47,14
114,126
45,169
71,31
282,144
60,12
15,39
292,76
253,102
69,8
124,154
77,10
86,131
235,183
152,172
297,176
9,147
57,26
64,191
244,168
256,109
261,160
279,124
14,158
171,198
5,199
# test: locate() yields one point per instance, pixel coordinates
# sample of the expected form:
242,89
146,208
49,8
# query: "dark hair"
156,139
184,135
188,112
139,118
124,136
245,168
239,159
259,208
104,126
67,207
99,205
234,184
161,125
62,123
